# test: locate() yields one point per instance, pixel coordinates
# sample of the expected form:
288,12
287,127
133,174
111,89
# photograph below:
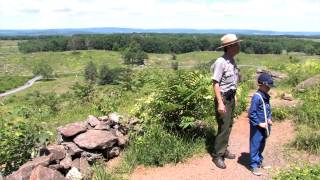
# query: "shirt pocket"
229,76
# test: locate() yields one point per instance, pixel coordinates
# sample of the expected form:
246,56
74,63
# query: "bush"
84,92
158,147
301,72
186,98
44,69
309,111
106,76
90,72
280,113
309,172
18,137
308,139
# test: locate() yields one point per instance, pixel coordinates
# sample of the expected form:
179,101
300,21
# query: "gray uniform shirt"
226,73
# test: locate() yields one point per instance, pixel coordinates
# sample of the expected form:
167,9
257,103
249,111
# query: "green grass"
10,82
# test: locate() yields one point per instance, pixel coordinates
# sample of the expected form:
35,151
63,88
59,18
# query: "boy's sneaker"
265,166
256,171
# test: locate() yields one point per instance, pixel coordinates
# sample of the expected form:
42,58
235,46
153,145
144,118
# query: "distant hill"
110,30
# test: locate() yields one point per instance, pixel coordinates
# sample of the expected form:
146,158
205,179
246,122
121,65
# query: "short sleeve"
217,70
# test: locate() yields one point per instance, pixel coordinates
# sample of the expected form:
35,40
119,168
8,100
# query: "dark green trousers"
225,123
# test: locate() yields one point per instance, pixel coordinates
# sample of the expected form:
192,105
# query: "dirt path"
202,168
21,88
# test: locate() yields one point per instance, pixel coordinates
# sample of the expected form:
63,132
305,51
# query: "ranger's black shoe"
219,162
229,155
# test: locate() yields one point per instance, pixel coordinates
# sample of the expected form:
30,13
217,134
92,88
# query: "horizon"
273,15
148,29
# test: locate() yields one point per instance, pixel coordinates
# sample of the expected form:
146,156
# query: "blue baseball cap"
266,79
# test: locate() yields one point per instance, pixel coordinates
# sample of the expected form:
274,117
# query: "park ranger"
225,77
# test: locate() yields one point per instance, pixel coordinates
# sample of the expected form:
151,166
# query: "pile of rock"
78,146
274,74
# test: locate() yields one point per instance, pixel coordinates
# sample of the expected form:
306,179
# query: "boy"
260,121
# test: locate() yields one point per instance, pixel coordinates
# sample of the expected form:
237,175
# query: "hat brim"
230,43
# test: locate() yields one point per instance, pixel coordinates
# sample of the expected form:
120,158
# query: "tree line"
167,43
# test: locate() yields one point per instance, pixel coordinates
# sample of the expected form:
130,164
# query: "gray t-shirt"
226,73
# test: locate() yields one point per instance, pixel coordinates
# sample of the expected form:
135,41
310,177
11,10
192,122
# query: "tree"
106,76
134,54
90,72
43,69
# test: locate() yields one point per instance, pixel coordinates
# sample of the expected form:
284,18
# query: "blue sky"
277,15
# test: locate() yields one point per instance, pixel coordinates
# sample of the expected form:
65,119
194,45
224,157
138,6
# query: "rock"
56,167
311,82
133,121
59,138
21,174
43,173
25,170
76,163
103,118
91,157
95,139
287,97
122,141
84,167
278,75
93,121
72,148
66,162
116,126
57,152
72,129
114,117
115,151
102,126
42,160
74,174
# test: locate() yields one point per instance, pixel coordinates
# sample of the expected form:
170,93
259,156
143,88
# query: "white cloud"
281,15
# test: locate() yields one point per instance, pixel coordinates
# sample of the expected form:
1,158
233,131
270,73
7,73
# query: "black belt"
229,94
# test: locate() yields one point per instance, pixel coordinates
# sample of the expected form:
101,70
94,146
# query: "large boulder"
72,148
25,170
93,121
74,174
57,152
309,83
66,162
95,139
43,173
73,129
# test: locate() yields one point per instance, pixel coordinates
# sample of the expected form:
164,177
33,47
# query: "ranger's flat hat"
228,40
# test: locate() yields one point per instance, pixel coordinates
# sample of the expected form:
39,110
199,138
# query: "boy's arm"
253,111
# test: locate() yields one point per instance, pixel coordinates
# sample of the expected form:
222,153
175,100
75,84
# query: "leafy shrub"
308,139
309,172
44,69
105,75
280,113
90,72
83,92
108,101
186,98
300,72
242,95
158,147
309,111
18,139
